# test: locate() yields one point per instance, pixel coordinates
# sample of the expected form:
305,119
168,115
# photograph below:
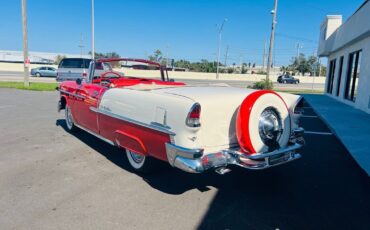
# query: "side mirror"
78,81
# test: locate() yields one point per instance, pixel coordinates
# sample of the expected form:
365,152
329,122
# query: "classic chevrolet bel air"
193,128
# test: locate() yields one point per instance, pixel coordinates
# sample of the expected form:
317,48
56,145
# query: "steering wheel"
104,75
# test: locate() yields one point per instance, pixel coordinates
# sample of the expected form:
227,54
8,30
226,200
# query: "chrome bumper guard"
194,161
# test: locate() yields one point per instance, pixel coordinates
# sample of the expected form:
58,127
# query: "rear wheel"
69,120
141,163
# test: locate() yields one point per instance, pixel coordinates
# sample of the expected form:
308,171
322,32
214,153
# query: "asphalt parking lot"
50,179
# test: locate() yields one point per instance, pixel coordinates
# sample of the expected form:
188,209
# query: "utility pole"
26,60
92,31
219,47
226,55
272,39
264,56
167,55
298,46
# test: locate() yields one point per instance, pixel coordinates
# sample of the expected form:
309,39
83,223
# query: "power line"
296,38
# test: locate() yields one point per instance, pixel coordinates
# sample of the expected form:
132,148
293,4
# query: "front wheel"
140,163
69,120
38,75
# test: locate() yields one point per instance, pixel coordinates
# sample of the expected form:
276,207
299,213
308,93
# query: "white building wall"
363,90
338,40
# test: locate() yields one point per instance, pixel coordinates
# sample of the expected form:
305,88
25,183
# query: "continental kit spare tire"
263,122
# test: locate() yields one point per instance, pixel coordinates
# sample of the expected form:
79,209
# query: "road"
11,75
18,76
50,179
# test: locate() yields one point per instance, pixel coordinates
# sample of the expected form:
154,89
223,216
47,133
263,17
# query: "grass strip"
35,86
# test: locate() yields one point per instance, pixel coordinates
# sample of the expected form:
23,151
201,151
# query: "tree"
202,66
157,56
108,55
300,65
305,65
284,69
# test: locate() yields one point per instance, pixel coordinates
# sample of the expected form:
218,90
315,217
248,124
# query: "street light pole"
272,39
26,60
219,47
92,31
264,56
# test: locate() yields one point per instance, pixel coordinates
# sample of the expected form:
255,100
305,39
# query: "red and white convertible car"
193,128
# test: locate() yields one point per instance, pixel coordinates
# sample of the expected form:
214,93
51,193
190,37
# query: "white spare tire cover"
255,110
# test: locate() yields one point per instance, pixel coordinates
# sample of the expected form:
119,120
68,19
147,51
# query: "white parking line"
318,133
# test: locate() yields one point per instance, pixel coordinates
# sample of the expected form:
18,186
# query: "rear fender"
293,102
130,142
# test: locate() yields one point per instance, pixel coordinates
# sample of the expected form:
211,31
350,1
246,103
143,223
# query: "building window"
352,75
329,88
340,74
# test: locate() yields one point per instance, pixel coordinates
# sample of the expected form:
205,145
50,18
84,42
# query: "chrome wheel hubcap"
270,125
138,158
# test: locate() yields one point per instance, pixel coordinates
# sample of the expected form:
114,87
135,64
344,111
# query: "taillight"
193,119
84,74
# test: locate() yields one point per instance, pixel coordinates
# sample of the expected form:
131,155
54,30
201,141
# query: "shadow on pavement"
324,190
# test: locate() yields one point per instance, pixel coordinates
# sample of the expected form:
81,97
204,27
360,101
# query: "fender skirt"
130,142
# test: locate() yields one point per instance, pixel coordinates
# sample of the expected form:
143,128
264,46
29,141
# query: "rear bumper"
195,161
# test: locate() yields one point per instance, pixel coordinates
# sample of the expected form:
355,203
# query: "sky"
181,29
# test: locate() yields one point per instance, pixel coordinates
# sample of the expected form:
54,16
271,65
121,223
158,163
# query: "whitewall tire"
69,120
139,162
263,123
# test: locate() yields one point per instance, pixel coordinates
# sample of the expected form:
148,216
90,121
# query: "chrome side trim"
94,134
156,127
94,109
72,94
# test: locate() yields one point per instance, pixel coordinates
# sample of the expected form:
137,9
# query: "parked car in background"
184,125
44,71
75,68
287,79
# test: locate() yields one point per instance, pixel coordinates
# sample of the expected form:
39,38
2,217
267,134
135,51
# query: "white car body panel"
170,106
